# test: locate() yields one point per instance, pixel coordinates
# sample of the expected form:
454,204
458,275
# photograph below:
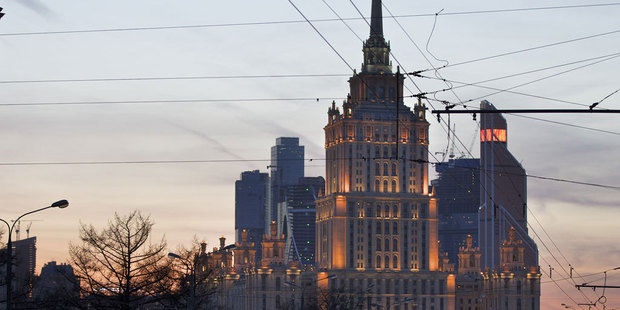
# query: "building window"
393,186
395,228
378,261
377,169
387,261
394,211
385,186
378,244
395,261
393,169
385,169
377,186
386,212
387,244
387,228
395,245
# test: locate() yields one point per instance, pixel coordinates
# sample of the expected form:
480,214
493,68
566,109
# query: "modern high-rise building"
503,192
377,222
297,215
24,265
251,203
457,189
287,166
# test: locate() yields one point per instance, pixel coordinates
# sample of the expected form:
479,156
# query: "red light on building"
497,135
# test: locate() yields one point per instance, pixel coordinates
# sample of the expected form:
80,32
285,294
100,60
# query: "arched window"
395,245
387,244
378,228
378,244
395,261
387,228
393,188
377,169
385,169
387,211
385,186
378,211
377,186
394,211
378,261
395,228
387,261
394,169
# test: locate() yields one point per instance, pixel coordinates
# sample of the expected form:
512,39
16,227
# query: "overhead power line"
165,78
315,99
524,50
285,22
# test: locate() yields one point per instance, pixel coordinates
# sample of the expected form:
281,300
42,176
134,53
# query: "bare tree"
193,265
118,267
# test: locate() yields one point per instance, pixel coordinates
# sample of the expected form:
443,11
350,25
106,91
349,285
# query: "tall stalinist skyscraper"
377,221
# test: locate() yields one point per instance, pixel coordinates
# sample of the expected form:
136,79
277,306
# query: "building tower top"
376,49
376,20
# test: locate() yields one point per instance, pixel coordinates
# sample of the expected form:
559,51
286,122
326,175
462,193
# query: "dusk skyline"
87,143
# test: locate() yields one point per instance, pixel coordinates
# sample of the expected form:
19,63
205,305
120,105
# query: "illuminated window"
393,169
377,169
385,169
497,135
377,186
393,186
394,211
387,210
385,186
378,261
395,262
387,261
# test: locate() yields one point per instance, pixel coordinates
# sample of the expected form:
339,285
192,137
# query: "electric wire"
527,49
209,77
285,22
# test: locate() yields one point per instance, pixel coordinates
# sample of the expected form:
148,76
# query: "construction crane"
18,228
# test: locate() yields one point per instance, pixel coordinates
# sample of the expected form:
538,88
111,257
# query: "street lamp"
9,247
289,283
192,277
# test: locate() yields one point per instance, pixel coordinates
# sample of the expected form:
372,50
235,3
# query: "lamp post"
332,276
9,247
192,277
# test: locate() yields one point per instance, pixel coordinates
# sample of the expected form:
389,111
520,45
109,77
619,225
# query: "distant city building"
503,192
251,202
457,189
377,222
24,266
287,167
57,287
297,215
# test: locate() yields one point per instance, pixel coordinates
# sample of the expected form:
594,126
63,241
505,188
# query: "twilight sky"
151,89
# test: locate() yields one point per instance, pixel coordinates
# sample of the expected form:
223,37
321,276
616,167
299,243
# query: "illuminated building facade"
512,285
377,222
503,192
